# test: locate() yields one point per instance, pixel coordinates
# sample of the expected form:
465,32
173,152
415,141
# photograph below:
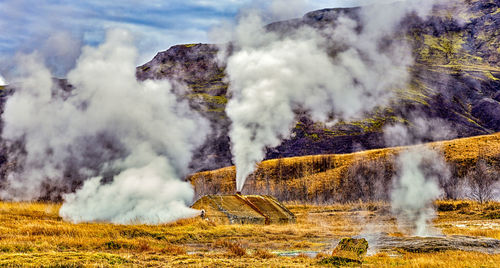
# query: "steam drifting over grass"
414,192
34,235
127,143
421,173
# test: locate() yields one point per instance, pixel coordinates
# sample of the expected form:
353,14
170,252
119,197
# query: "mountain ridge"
456,72
455,79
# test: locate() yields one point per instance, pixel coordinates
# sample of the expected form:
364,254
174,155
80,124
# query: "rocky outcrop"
188,63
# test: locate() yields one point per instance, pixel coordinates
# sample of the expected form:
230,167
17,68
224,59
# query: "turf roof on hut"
244,209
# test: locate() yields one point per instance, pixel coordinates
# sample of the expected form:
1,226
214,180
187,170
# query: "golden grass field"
309,175
32,234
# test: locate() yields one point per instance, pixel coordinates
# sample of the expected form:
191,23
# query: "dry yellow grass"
470,218
309,175
446,259
33,234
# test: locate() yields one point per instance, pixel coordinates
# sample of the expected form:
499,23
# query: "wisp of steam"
414,191
126,143
272,75
2,81
420,173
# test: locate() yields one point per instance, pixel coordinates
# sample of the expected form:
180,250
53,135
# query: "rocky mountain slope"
455,81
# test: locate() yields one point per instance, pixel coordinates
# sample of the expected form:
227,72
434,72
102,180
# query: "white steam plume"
420,172
285,9
133,139
2,81
422,129
414,191
149,194
60,51
272,75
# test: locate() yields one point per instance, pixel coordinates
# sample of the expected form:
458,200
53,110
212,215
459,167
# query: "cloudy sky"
59,27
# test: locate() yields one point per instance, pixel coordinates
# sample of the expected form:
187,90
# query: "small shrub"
494,206
173,249
263,254
365,180
302,244
143,246
113,245
111,259
372,207
23,248
221,243
237,250
462,205
495,215
465,212
233,248
135,232
482,180
6,249
446,207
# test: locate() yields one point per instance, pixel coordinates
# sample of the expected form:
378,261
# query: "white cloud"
25,24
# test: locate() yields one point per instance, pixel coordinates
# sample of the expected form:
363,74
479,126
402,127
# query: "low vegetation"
33,234
474,164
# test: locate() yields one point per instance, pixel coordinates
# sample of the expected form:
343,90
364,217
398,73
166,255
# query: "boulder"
351,248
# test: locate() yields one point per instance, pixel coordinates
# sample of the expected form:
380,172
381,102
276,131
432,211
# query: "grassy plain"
33,234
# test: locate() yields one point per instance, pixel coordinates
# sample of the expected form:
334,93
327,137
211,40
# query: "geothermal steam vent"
244,209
